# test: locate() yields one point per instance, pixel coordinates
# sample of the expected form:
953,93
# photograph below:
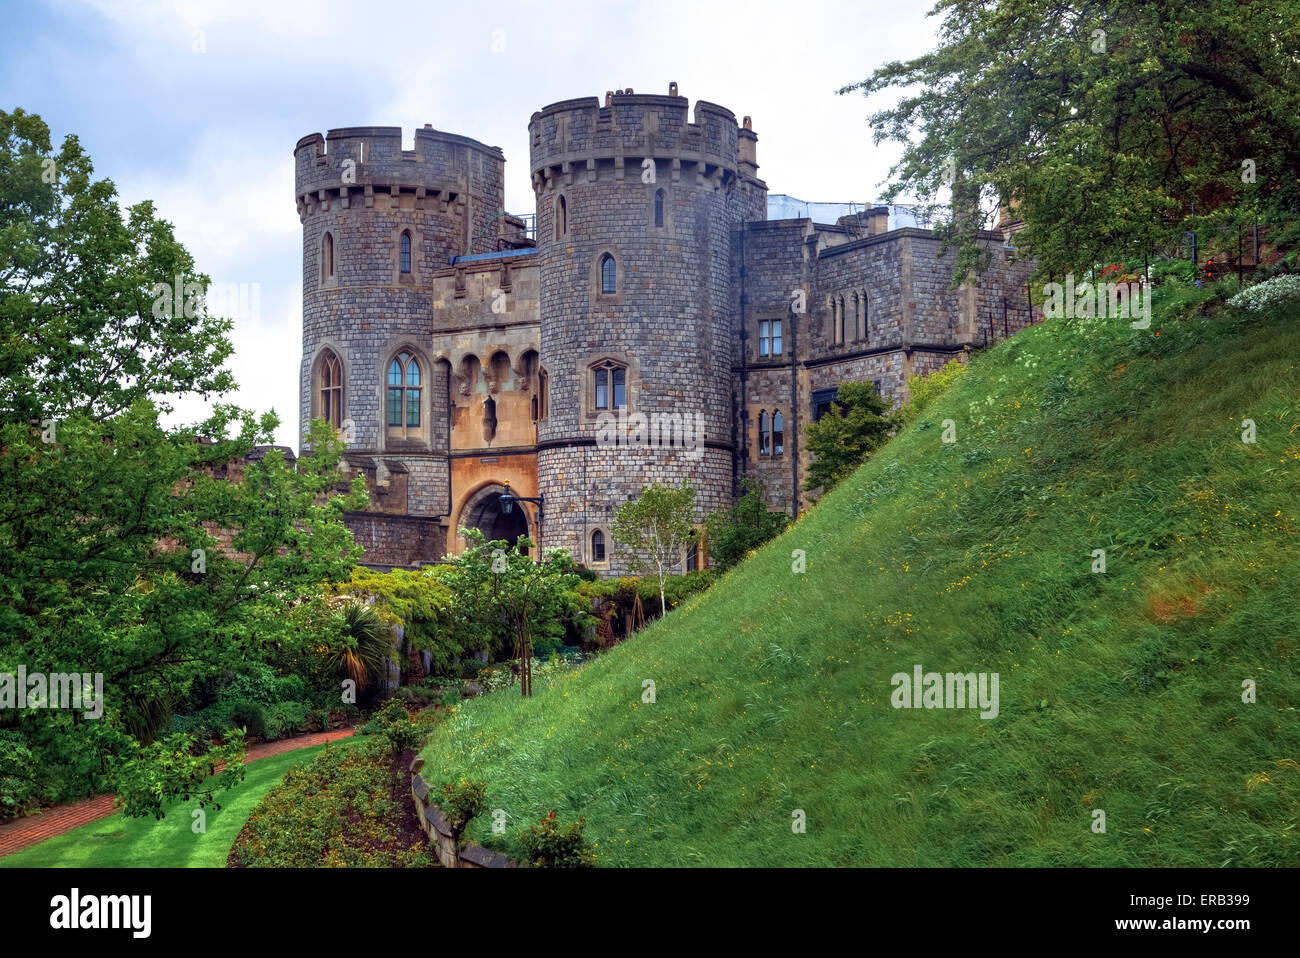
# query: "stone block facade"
651,284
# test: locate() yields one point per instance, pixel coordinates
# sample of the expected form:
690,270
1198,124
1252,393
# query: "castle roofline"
632,99
901,232
498,255
393,135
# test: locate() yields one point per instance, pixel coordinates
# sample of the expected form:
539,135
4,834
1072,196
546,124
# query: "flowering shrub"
551,845
339,810
1269,294
461,801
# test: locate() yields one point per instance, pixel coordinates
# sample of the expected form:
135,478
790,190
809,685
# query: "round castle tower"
378,220
635,208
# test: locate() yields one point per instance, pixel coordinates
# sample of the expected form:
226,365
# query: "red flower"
551,815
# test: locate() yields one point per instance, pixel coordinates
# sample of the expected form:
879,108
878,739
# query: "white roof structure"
781,206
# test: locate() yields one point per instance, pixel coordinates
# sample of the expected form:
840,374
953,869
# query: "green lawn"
1119,692
121,842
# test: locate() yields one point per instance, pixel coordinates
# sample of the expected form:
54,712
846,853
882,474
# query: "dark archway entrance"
483,512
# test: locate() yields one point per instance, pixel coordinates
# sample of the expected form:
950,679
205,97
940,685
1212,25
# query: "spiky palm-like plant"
365,644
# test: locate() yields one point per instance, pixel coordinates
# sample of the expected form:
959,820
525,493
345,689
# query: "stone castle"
464,352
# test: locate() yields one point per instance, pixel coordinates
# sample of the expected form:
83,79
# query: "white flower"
1264,296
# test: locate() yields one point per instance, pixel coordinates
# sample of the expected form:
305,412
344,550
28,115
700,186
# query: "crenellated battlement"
354,164
583,138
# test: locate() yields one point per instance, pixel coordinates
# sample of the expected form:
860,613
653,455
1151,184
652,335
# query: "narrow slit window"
608,274
659,208
406,253
778,435
764,435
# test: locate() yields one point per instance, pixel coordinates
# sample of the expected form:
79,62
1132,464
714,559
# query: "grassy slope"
1120,692
121,842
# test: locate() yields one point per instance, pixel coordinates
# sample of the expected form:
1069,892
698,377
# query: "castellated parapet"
379,223
635,207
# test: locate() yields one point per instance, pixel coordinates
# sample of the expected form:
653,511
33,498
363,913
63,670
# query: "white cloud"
209,137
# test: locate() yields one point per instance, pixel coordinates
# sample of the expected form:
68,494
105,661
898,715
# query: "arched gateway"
483,511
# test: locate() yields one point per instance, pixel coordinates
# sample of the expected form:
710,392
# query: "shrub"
254,683
288,688
470,668
450,697
292,716
924,389
18,773
248,716
409,734
321,720
418,695
1175,271
1268,295
336,810
734,532
550,845
461,801
393,711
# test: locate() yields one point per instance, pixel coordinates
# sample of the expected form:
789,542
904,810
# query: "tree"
499,588
1112,128
654,528
734,532
110,560
858,425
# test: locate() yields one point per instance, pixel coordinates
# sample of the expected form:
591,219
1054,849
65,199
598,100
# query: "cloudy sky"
198,105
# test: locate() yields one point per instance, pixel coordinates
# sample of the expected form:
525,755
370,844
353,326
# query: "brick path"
24,832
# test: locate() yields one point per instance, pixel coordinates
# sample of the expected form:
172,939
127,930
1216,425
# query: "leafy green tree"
500,588
422,604
653,529
110,560
858,425
1113,128
733,533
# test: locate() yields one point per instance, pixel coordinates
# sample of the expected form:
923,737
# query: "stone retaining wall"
435,825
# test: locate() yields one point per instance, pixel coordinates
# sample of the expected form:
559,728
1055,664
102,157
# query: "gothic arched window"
406,251
598,546
404,392
778,434
610,386
608,274
764,435
330,379
659,207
